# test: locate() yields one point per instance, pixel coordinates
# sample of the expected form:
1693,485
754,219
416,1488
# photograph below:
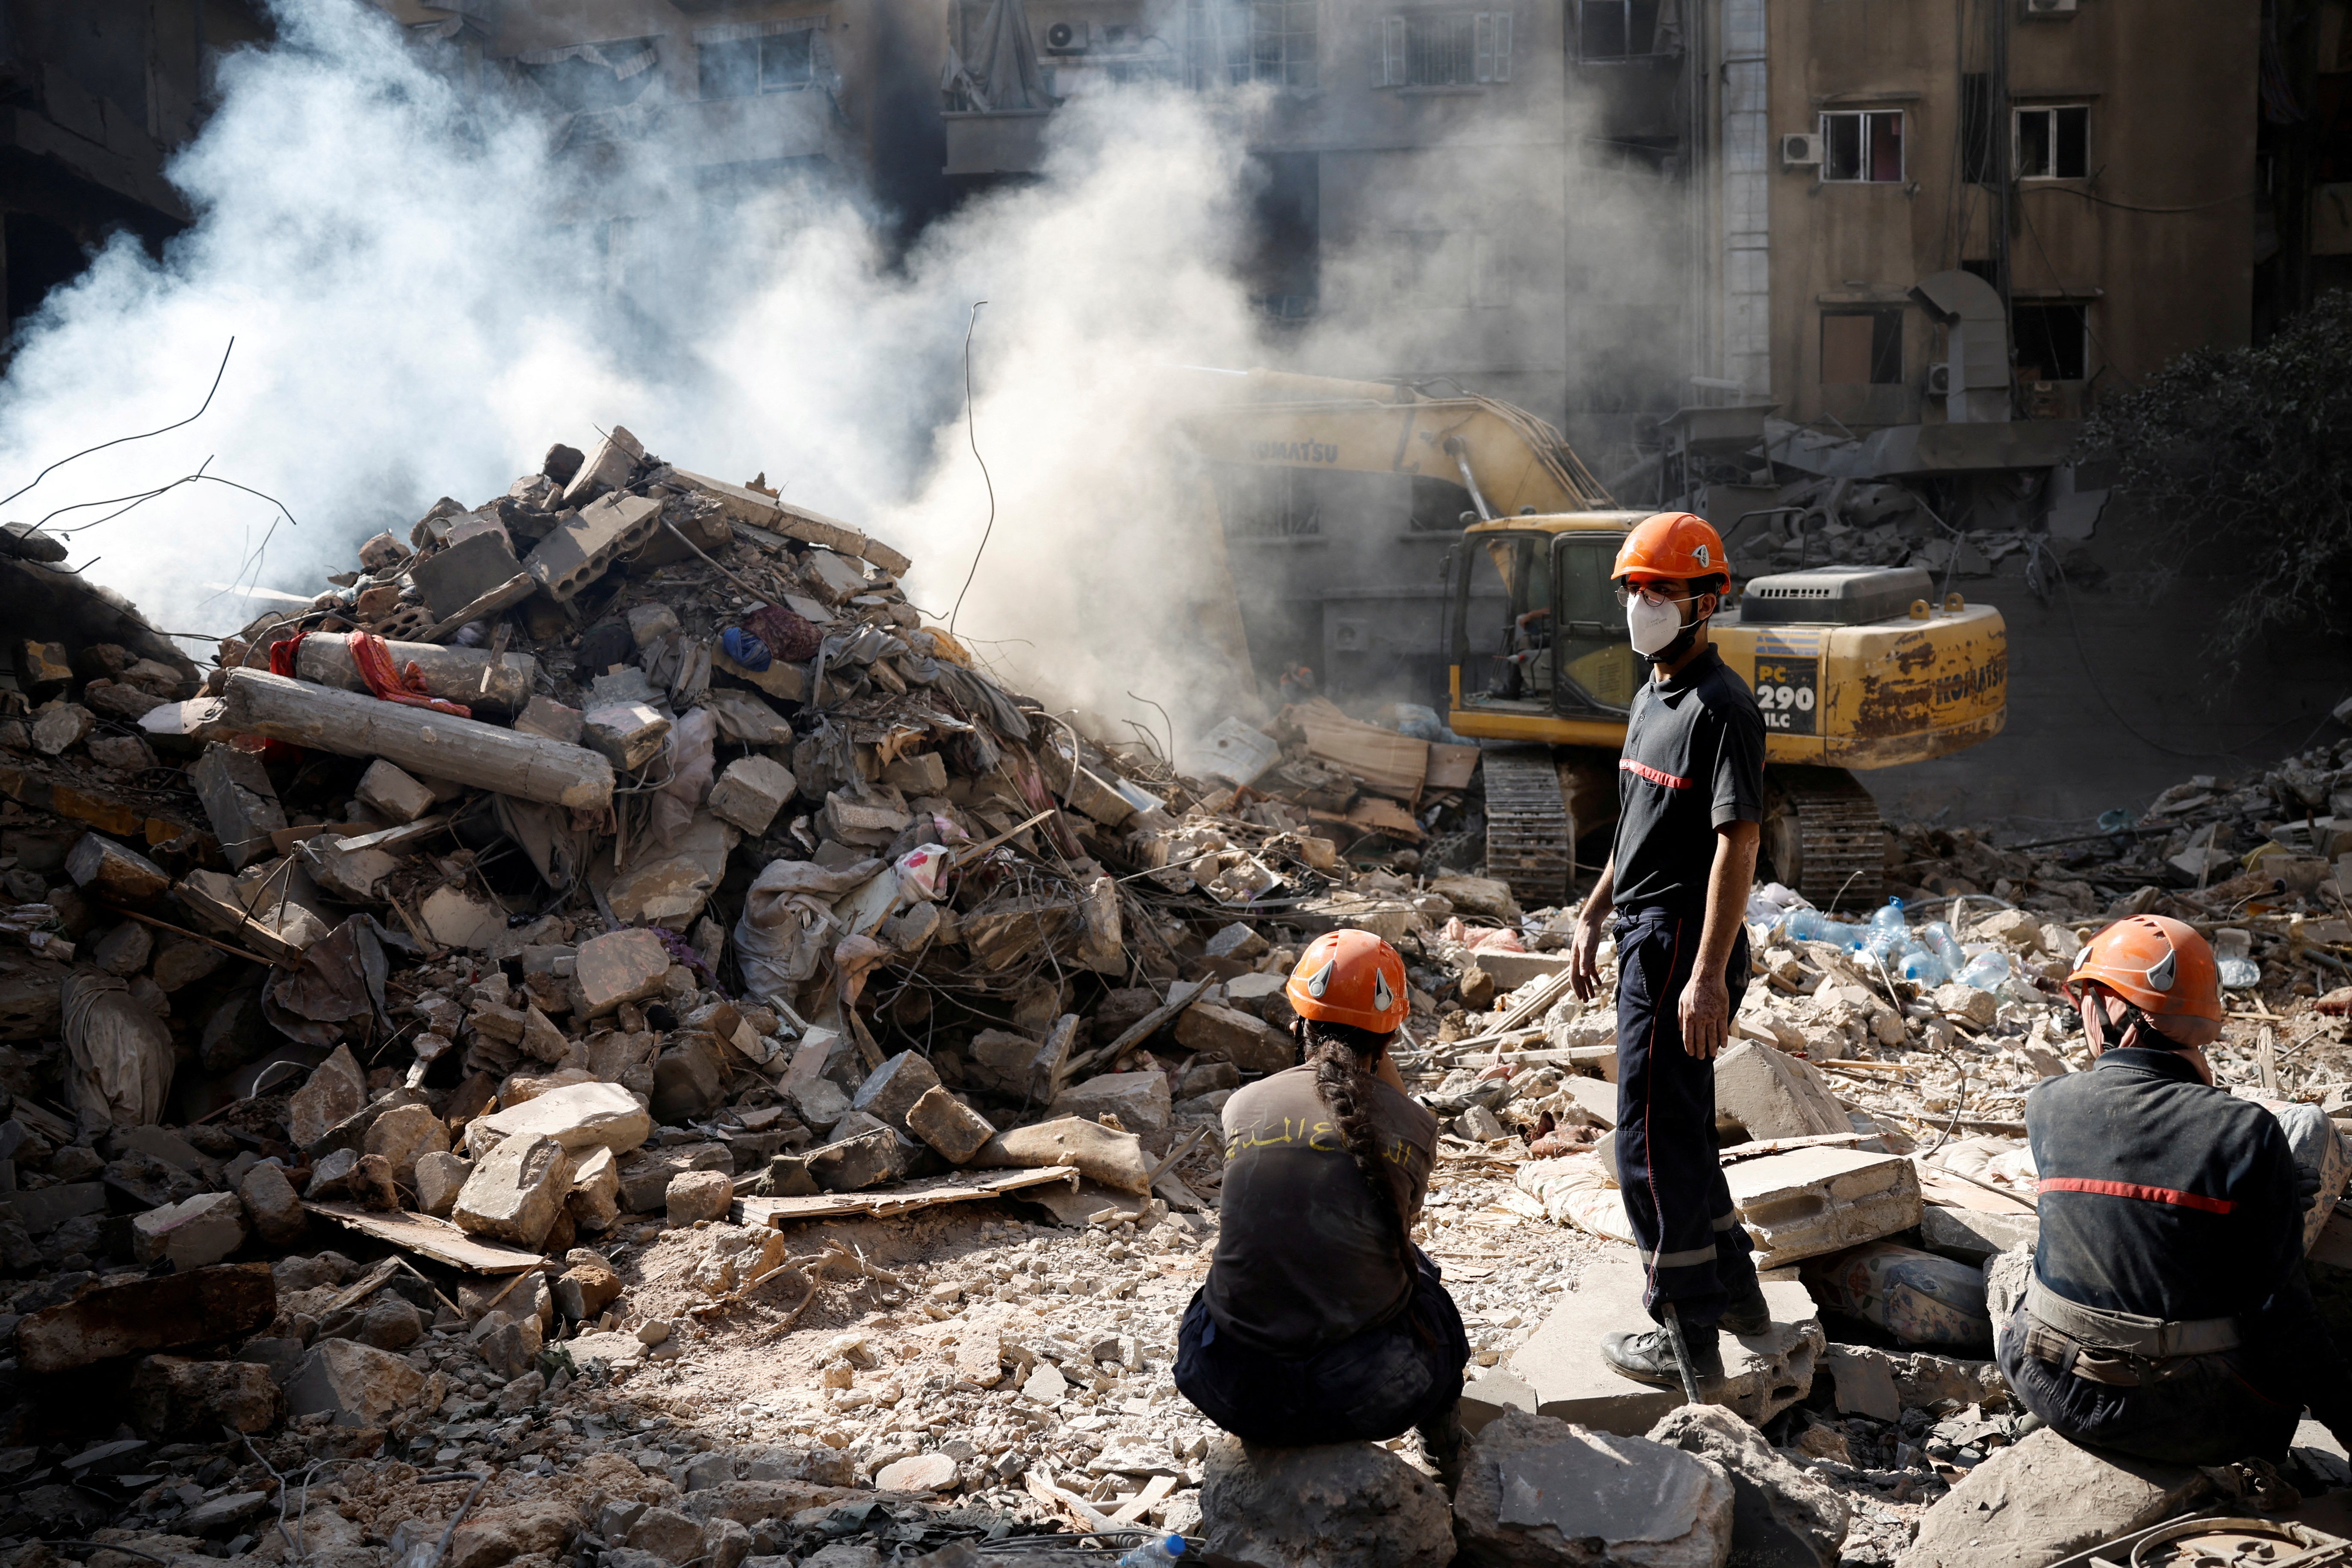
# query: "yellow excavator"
1855,667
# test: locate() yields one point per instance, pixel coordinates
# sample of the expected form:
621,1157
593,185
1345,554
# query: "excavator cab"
1562,649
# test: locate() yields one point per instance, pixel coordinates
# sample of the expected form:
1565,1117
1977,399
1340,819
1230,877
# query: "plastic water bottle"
1154,1554
1986,971
1941,942
1888,915
1924,967
1811,925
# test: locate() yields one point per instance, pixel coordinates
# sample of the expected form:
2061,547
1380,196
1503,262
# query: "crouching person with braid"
1321,1320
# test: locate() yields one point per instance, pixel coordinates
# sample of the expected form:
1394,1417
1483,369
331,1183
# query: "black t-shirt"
1694,760
1305,1255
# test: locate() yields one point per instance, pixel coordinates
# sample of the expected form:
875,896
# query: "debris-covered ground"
605,1025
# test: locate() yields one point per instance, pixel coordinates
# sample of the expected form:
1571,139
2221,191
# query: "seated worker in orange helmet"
1321,1320
2167,1315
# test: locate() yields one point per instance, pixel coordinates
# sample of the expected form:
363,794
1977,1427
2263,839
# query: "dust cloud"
425,291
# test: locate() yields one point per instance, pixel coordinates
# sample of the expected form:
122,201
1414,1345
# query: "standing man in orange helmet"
1690,802
1321,1320
2168,1314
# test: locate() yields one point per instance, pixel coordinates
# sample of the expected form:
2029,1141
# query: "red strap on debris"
387,681
282,652
2172,1195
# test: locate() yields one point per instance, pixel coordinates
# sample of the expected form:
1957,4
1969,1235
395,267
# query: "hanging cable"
971,433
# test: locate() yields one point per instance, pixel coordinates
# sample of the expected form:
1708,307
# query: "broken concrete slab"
227,1301
192,1234
1247,1042
669,887
644,1174
1019,1065
617,967
1535,1491
337,1088
1079,1144
1808,1202
514,1191
750,791
626,734
892,1088
1863,1380
1560,1369
114,873
404,1134
862,1160
173,1396
1139,1099
584,545
545,717
2043,1498
391,794
577,1116
1761,1091
947,1125
239,802
1353,1503
473,567
607,469
695,1195
1781,1516
455,915
1975,1234
357,1384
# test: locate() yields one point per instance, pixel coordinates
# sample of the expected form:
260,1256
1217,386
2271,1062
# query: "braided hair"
1343,1056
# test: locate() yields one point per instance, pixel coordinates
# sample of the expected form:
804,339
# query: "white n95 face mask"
1652,627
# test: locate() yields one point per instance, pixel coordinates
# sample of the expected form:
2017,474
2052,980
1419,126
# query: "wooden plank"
1180,997
428,744
1452,767
1135,1508
1392,763
428,1237
1373,814
883,1203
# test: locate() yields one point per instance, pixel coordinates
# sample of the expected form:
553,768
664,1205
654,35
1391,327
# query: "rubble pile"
603,1032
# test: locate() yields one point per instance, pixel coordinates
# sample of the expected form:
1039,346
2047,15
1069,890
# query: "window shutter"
1493,45
1391,71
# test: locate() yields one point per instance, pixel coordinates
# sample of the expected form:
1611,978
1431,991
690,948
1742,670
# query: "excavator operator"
1691,800
2168,1314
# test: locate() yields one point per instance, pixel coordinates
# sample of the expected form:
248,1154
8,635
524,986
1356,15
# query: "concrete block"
193,1234
854,1163
1863,1379
651,622
391,794
1808,1202
693,1196
1559,1373
834,578
584,545
545,717
439,1179
1781,1516
949,1125
136,1316
892,1088
239,802
514,1191
1975,1234
118,875
922,773
43,669
454,577
1251,1045
124,950
272,1207
404,1135
1018,1065
458,916
605,470
357,1384
644,1174
619,967
750,792
873,823
2044,1498
1763,1092
578,1116
1353,1503
60,728
1139,1099
595,1200
626,734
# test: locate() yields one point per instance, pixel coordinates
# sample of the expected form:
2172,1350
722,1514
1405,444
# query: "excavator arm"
1510,461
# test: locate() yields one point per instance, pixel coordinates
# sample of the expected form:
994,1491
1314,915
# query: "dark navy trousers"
1693,1252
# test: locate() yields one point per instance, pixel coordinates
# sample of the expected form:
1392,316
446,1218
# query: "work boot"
1649,1356
1748,1314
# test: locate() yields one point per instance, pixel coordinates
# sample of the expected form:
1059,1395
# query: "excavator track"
1531,837
1826,823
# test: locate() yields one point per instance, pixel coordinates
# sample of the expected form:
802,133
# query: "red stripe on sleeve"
1655,775
2134,1190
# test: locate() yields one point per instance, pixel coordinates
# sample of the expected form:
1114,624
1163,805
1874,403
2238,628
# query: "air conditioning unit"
1940,380
2051,7
1068,38
1801,148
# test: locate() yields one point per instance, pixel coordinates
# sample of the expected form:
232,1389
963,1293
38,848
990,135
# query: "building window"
1863,347
2054,143
746,67
1863,145
1616,29
1445,48
2051,340
1231,43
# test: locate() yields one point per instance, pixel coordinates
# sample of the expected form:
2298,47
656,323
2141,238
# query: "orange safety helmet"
1350,977
2160,966
1678,544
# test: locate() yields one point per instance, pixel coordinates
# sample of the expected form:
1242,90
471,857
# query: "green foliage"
2246,457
